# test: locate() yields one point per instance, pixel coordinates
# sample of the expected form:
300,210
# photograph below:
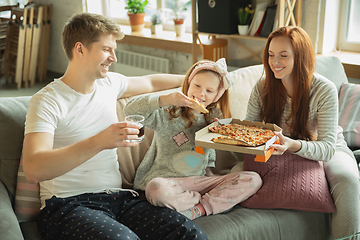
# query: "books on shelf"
269,20
261,25
255,25
276,23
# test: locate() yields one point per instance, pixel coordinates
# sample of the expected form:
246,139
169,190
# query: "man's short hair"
87,29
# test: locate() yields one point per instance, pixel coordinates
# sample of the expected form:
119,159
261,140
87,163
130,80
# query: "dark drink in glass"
140,121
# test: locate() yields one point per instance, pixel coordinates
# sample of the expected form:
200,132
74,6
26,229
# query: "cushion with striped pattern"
349,113
290,182
27,198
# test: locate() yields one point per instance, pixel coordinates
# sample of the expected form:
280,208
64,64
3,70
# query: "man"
71,136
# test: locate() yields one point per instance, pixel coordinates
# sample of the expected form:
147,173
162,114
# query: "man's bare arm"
41,162
152,83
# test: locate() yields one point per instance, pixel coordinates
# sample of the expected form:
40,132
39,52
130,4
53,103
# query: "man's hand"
116,134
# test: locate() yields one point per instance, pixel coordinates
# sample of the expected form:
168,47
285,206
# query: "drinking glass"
139,120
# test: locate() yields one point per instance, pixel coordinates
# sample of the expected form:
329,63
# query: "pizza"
198,106
242,135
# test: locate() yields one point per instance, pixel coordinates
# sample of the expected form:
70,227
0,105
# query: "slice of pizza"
232,141
198,106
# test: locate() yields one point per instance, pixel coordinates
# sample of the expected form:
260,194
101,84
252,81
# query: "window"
6,14
115,9
349,37
13,2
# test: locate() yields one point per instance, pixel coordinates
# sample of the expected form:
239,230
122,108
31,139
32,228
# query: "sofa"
239,223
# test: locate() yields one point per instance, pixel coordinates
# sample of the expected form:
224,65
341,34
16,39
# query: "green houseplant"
156,23
156,19
136,13
245,16
136,6
178,7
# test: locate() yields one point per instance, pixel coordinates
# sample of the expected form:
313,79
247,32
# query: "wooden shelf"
233,36
293,7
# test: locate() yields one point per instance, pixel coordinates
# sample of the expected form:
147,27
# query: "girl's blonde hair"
186,113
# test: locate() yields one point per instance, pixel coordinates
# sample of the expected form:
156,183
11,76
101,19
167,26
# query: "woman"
305,105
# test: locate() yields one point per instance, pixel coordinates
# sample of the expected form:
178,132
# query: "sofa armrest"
9,225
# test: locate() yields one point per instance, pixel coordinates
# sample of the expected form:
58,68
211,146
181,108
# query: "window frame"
343,44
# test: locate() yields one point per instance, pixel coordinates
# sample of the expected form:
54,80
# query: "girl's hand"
175,99
286,143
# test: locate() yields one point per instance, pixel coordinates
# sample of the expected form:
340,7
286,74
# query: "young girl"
173,172
305,105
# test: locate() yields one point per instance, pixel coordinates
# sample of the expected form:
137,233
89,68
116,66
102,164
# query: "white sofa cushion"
349,113
241,90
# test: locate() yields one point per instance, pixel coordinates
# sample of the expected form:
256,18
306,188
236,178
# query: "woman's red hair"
274,94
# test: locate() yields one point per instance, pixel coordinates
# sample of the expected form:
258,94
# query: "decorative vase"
179,27
243,29
155,29
136,21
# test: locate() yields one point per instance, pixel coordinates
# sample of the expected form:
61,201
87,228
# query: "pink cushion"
290,182
349,113
27,198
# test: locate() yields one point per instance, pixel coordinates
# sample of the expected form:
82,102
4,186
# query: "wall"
180,62
62,11
327,42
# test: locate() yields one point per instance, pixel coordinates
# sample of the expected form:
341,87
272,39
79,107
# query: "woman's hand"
175,99
286,143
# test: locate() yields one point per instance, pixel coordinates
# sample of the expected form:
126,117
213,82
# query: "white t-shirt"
71,117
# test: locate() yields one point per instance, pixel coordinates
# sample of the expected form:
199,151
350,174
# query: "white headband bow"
220,67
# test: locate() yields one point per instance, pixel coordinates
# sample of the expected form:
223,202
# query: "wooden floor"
10,89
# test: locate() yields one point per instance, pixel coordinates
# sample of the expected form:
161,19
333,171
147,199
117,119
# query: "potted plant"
136,13
178,7
156,23
245,15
